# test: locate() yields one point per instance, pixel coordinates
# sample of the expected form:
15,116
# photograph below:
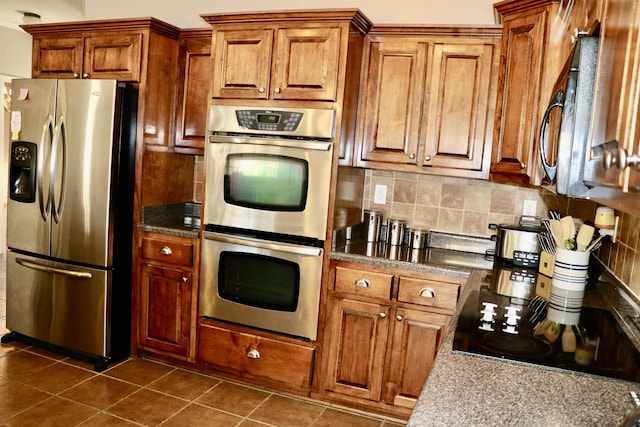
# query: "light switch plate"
380,194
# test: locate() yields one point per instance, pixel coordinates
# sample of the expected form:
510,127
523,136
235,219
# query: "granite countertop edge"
464,389
170,229
404,265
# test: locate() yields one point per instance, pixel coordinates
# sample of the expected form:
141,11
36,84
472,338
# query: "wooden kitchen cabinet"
250,355
537,40
416,338
428,100
115,55
143,51
614,135
168,296
276,63
383,330
195,69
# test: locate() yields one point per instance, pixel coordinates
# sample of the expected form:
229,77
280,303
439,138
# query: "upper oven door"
272,185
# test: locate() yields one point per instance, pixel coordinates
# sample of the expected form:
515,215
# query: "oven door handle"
263,244
290,143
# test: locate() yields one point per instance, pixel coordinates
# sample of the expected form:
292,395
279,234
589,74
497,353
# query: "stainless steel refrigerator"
69,216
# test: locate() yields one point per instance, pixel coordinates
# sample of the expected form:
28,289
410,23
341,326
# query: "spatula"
556,232
585,234
568,228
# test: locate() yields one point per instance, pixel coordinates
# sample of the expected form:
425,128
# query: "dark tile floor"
39,388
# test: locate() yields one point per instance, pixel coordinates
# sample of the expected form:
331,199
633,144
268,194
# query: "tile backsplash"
468,206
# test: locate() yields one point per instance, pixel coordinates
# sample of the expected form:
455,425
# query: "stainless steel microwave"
564,132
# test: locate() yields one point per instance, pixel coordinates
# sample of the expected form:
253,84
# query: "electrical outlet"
529,208
380,194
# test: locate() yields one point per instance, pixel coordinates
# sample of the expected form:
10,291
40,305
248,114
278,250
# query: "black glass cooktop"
601,348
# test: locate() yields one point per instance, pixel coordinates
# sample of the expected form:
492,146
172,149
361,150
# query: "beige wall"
186,13
15,53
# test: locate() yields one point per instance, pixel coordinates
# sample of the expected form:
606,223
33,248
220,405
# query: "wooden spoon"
585,234
556,232
568,228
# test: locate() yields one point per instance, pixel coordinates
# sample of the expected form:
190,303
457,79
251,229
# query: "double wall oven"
267,183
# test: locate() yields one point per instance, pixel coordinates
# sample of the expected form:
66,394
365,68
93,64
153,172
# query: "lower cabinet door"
357,340
415,340
166,309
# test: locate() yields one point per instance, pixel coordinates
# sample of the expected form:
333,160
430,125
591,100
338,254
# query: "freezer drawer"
59,303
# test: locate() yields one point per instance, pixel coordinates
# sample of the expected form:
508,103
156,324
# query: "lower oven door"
259,283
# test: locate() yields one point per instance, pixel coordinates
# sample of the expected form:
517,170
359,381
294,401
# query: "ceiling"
11,11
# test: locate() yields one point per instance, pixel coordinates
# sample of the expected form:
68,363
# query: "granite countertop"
168,219
464,389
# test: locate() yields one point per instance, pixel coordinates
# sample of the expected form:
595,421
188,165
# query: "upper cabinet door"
306,64
113,56
242,64
391,105
194,82
514,157
55,57
462,90
614,102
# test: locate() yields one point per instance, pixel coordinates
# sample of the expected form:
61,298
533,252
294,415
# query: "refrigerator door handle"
45,268
59,139
47,130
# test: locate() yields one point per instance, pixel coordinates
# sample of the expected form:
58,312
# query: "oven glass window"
267,182
259,281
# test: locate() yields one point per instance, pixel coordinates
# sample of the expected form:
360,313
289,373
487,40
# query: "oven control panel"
269,120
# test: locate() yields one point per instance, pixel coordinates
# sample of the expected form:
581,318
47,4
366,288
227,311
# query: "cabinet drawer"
364,283
170,252
260,356
429,293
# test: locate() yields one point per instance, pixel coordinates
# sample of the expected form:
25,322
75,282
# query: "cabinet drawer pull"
399,318
427,293
166,250
363,283
253,354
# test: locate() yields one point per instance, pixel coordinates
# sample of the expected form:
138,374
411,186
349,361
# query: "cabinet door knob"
76,75
383,315
277,90
185,280
261,90
253,354
399,318
85,75
412,156
363,283
619,158
166,250
427,158
427,293
523,165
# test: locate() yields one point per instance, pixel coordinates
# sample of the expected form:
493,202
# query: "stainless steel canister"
396,231
418,238
372,221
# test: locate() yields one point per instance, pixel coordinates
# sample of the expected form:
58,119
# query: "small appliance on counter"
519,243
